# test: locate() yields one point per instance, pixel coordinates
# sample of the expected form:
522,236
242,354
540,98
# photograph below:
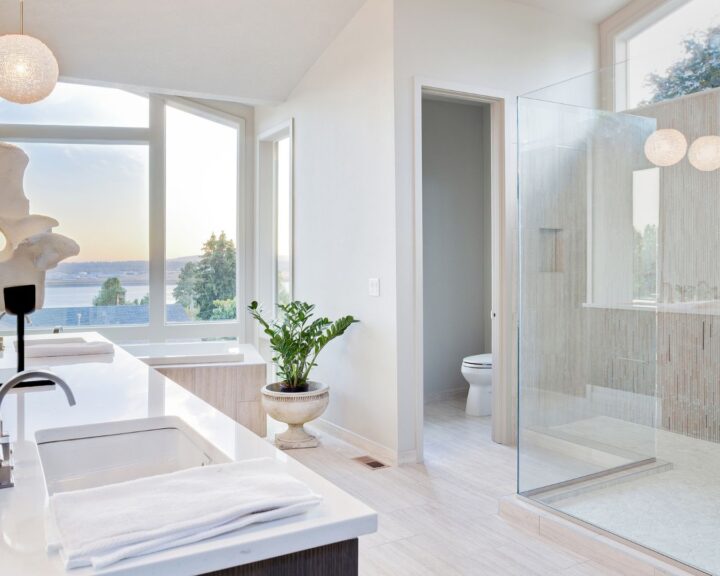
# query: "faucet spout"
31,374
6,467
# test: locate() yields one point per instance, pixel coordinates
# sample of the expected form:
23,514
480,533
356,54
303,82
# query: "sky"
99,193
660,46
284,222
201,181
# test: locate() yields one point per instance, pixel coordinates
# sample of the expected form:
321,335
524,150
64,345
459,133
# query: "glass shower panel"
619,372
587,401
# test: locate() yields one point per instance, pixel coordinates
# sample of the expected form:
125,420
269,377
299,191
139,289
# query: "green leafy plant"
296,340
698,70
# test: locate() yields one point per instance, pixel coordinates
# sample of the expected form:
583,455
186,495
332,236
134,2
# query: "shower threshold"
601,546
597,480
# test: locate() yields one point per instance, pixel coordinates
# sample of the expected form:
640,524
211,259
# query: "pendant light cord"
22,17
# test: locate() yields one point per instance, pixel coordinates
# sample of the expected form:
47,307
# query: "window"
275,216
116,169
283,222
78,105
671,55
646,220
99,195
201,160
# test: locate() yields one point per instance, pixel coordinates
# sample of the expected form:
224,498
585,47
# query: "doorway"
460,179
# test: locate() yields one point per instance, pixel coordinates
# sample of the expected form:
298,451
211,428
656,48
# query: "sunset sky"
99,193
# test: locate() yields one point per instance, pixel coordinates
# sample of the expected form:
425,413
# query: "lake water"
66,296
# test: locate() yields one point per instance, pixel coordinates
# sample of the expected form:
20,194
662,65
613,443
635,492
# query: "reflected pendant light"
28,68
705,153
666,147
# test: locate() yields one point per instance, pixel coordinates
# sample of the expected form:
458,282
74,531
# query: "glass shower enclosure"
619,355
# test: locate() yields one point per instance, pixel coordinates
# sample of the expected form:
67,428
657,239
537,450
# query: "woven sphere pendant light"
28,68
666,147
705,153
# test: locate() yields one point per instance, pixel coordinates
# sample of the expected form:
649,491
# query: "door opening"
460,151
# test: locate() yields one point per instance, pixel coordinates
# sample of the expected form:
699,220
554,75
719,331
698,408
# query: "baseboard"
372,448
447,394
609,550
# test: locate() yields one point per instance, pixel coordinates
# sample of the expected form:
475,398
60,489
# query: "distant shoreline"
95,282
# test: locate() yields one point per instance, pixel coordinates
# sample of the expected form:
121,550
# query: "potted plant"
296,341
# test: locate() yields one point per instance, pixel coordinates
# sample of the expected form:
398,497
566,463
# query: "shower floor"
675,510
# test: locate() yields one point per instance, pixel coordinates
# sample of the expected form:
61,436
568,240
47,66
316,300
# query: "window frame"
157,329
267,211
615,32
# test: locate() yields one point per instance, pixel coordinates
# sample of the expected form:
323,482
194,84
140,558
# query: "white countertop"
121,387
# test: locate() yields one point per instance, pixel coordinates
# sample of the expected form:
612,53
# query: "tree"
206,289
224,310
144,301
214,275
111,293
698,70
184,292
645,264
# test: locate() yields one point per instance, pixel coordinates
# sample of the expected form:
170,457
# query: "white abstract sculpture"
31,248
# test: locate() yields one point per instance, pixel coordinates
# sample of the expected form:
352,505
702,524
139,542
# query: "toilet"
477,370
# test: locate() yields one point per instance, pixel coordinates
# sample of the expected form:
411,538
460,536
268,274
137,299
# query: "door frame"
503,201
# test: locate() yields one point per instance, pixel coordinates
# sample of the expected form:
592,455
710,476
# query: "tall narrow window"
283,222
201,171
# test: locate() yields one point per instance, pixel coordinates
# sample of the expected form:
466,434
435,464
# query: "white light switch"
374,286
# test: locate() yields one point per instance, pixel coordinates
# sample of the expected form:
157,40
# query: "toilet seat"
478,361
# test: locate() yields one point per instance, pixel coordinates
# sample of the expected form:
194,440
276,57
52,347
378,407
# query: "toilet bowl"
477,370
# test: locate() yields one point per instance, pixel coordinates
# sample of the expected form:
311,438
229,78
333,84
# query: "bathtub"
227,375
182,353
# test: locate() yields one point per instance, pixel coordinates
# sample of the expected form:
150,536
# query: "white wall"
496,44
344,217
456,241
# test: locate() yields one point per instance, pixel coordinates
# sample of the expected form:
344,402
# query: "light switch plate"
374,286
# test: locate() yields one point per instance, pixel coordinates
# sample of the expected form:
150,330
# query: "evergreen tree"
184,292
698,70
215,275
111,293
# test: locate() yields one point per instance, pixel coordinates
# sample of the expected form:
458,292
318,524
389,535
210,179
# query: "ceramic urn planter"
295,409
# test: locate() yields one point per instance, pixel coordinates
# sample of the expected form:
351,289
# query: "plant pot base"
295,437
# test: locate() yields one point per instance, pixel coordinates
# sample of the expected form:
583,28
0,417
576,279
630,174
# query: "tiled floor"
440,517
676,511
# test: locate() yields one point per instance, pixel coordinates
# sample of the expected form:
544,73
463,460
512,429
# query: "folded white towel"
67,349
100,526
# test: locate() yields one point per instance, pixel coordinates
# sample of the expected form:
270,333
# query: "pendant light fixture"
705,153
28,68
666,147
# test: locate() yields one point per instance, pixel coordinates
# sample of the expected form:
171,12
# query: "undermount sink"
79,457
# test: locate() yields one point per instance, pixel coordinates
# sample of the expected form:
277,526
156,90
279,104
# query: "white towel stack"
100,526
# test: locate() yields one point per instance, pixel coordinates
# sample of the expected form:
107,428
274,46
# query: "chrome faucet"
6,478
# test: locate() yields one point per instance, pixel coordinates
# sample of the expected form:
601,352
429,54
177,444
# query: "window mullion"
157,220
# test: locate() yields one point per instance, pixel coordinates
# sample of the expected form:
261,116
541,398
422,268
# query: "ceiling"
589,10
244,50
